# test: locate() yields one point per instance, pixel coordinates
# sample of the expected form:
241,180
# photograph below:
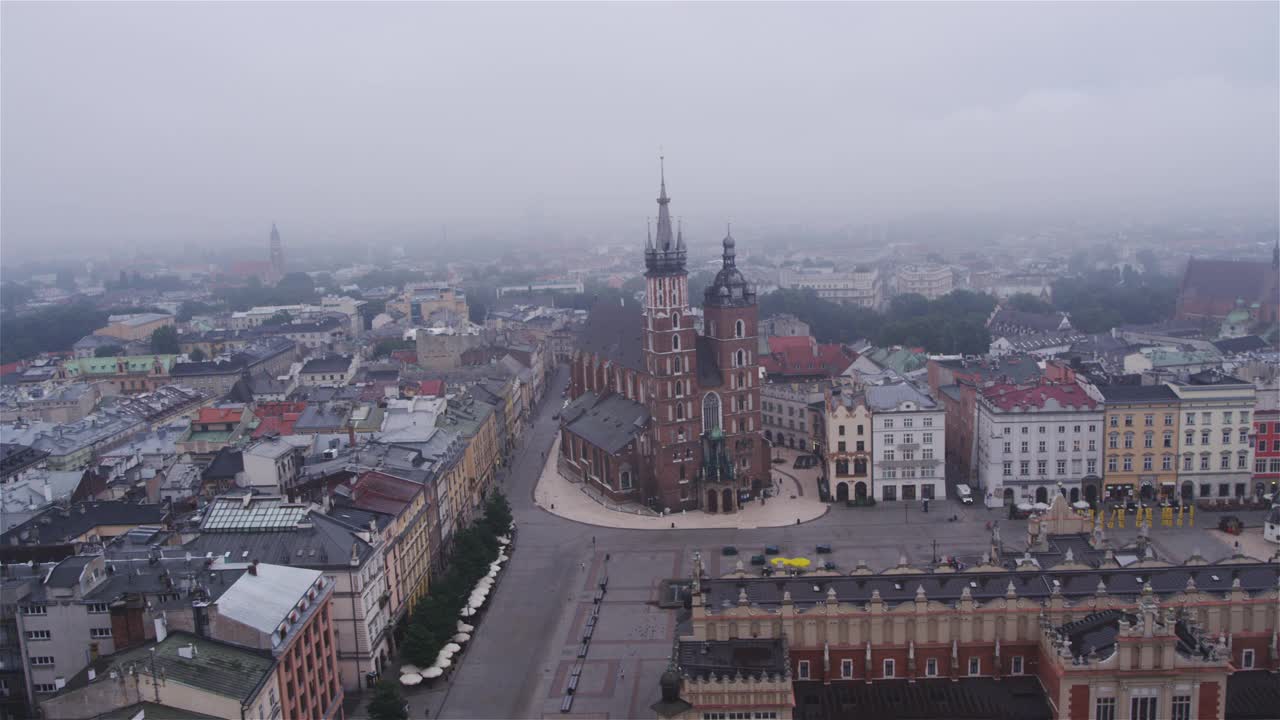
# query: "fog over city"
149,124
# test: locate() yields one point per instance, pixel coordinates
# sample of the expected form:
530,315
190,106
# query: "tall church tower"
277,254
730,316
669,349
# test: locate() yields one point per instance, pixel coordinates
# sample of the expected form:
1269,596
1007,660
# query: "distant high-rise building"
277,253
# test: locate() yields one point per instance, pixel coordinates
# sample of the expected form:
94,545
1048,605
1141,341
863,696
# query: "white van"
964,493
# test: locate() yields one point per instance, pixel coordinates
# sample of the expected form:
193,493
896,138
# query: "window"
908,439
1275,465
44,687
1242,460
99,632
675,342
1204,489
1062,446
740,358
1166,462
710,412
1142,707
841,447
1224,489
35,610
841,430
1008,468
888,423
1008,430
739,329
1244,436
908,422
1204,461
975,666
1259,465
1181,708
1008,448
1062,467
1042,467
1148,440
1246,659
1093,445
1226,436
1128,463
927,422
1025,446
926,454
38,635
1128,440
41,660
931,667
1190,438
926,438
1128,421
1149,419
1262,446
1206,418
888,439
1016,665
889,455
846,669
1168,439
1191,419
1224,462
1042,430
1112,465
1040,447
1262,428
888,667
1146,462
1226,417
1244,416
1114,421
1024,468
1093,466
802,671
1113,441
1186,462
1105,708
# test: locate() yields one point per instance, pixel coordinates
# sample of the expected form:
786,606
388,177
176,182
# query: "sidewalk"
571,502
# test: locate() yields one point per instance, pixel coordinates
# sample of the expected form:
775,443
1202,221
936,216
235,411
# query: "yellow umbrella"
799,562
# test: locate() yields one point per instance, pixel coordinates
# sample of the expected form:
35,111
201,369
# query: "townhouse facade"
909,443
1217,429
1142,443
848,446
1037,441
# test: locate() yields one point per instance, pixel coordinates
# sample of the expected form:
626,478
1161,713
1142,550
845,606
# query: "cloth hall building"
660,414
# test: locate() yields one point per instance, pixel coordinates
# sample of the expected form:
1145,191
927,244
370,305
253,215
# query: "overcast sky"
124,123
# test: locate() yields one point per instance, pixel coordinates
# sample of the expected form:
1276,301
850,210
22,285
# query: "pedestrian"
593,541
582,565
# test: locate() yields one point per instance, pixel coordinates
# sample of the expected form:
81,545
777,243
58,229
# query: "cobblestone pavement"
517,664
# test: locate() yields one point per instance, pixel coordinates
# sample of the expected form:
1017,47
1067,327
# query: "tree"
13,294
387,702
196,355
164,341
108,351
384,348
282,317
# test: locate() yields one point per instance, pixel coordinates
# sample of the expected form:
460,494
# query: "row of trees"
954,323
433,621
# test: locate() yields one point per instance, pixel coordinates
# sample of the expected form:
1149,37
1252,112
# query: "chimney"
253,567
351,434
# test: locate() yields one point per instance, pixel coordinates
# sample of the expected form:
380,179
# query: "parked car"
824,549
965,493
728,550
771,550
1231,524
757,559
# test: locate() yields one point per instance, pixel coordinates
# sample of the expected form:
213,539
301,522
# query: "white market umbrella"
453,647
461,637
504,541
493,573
410,679
444,654
409,670
467,612
463,627
485,583
1025,506
1041,506
1080,505
443,662
432,672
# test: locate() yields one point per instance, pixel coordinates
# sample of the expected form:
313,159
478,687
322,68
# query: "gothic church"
661,415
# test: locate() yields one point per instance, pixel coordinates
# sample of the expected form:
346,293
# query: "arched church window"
675,342
675,321
679,389
679,411
740,358
710,412
739,329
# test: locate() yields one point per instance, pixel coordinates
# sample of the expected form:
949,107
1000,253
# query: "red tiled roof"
1067,396
219,415
800,355
379,492
276,425
12,367
276,409
409,357
432,388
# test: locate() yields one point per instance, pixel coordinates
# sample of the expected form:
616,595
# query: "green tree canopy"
108,351
164,341
387,703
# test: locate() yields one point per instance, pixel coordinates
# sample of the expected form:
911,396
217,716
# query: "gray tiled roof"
613,331
608,423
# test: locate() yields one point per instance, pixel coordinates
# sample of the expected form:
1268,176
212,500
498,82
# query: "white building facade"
1217,430
909,442
1036,441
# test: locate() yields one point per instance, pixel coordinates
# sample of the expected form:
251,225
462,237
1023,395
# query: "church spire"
664,240
680,233
648,230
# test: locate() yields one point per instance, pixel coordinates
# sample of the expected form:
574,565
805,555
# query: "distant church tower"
277,253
